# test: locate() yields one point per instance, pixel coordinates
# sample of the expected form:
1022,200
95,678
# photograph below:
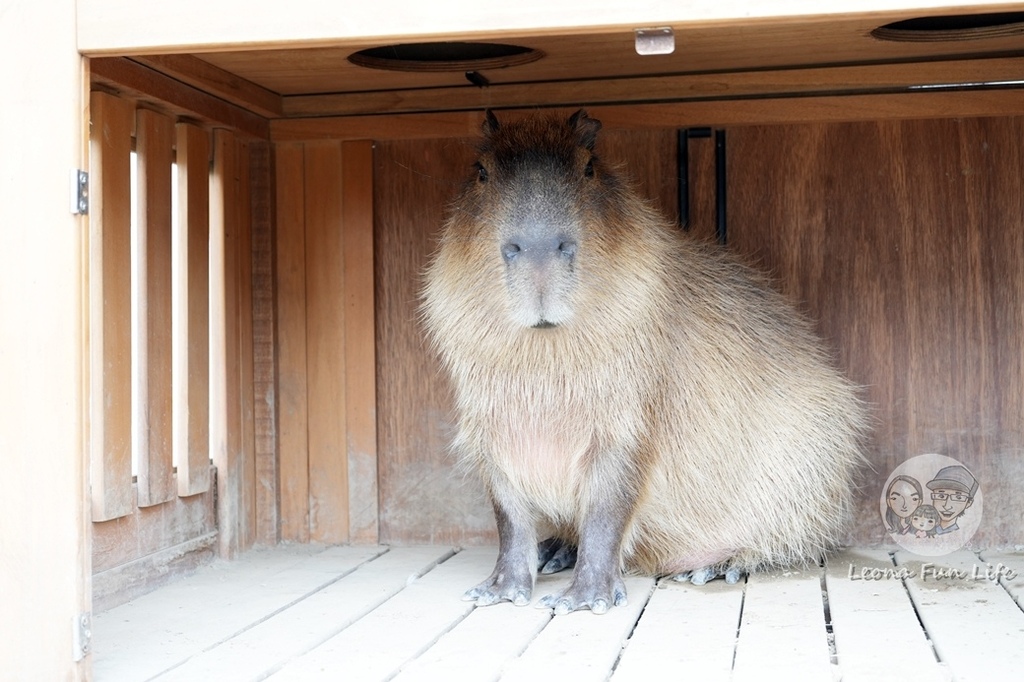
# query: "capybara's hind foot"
554,555
702,575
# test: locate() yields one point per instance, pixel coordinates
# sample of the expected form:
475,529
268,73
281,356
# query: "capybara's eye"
589,170
481,172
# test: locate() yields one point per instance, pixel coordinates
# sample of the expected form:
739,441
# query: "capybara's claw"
577,598
702,575
488,593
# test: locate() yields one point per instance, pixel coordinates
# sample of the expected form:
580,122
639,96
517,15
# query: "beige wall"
43,545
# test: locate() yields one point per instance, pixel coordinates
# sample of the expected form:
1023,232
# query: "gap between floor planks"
302,612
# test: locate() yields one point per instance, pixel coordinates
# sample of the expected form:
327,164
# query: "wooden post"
231,428
110,307
152,375
325,344
191,354
293,466
44,551
360,339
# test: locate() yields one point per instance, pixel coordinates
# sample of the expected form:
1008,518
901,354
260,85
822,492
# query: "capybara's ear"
490,125
585,127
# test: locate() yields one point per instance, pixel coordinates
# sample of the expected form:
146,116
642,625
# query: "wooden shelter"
231,359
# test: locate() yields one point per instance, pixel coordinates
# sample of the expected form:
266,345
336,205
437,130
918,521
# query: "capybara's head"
538,190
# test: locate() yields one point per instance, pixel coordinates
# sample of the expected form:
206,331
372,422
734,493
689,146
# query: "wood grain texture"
263,344
221,307
424,495
904,241
360,352
290,318
758,111
191,346
152,375
231,354
110,341
559,89
205,76
242,437
174,97
125,550
325,344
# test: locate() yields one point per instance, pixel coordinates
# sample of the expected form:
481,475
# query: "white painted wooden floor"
377,613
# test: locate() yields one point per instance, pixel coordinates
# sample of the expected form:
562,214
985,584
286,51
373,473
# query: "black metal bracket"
683,155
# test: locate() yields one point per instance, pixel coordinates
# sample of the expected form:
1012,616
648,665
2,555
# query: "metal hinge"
79,192
81,643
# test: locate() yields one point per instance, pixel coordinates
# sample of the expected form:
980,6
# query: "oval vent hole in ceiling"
451,56
952,28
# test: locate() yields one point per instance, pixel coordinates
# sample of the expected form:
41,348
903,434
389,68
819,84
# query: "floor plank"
687,632
1010,571
162,629
878,637
379,644
300,612
783,628
975,625
582,646
302,627
480,647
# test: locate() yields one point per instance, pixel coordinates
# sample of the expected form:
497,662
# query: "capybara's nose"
538,248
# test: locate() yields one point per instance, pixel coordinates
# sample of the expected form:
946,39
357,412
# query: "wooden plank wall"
424,496
324,322
171,348
903,239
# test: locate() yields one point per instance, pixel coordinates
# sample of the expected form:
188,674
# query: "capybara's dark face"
535,190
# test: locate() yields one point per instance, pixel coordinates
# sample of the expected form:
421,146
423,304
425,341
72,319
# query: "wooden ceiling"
711,61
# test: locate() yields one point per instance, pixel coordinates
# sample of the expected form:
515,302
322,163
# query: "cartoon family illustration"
951,492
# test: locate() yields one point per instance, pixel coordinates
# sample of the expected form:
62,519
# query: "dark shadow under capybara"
625,389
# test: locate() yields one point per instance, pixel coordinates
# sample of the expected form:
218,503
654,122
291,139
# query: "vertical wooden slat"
263,344
360,362
110,308
221,374
151,414
191,313
325,338
291,337
231,346
244,436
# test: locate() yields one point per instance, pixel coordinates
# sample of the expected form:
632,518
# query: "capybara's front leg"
597,580
516,568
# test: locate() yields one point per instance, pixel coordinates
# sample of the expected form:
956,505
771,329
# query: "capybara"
634,393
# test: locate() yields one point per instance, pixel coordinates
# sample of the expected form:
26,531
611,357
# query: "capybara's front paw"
500,588
596,595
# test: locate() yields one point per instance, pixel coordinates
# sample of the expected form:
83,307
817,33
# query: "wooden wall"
904,240
171,346
324,334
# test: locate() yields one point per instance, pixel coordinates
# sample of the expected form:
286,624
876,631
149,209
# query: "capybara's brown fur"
623,387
